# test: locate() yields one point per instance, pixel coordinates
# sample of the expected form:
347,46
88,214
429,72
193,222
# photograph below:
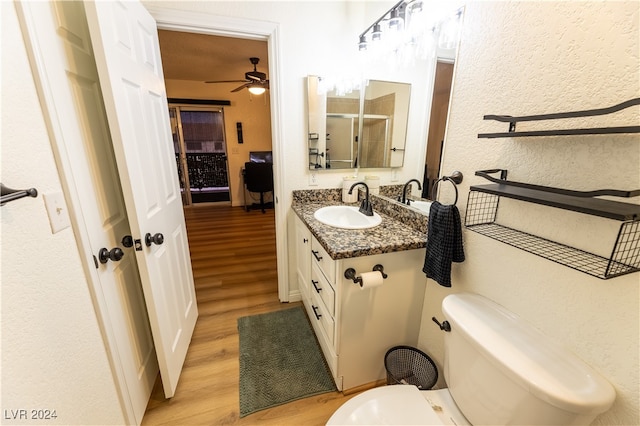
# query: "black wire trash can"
407,365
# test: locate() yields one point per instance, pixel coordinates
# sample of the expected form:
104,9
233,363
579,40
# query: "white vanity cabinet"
303,261
355,327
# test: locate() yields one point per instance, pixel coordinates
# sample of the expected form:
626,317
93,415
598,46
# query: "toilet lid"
387,405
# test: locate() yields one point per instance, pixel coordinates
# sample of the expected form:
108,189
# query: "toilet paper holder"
350,273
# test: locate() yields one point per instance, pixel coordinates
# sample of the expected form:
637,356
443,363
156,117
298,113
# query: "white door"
77,122
127,50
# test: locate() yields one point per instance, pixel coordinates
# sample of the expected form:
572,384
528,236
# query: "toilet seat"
399,405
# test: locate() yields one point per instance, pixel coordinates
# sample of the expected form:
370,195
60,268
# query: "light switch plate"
57,211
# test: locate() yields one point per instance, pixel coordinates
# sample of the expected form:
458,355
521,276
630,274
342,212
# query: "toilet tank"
501,370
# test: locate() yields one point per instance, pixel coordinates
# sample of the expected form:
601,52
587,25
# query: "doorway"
201,153
257,134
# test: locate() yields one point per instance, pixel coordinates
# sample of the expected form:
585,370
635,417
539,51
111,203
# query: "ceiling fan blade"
237,89
226,81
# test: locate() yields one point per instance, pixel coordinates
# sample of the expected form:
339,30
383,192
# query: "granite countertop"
391,235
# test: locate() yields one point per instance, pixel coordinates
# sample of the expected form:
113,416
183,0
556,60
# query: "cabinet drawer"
320,315
323,260
321,287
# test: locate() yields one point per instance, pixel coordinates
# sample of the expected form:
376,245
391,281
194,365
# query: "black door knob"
153,239
127,241
105,255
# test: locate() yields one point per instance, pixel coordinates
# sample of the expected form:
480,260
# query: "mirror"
342,129
437,125
443,79
354,129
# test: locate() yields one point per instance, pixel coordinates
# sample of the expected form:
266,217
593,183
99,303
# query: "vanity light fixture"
450,31
376,34
363,43
390,21
412,24
396,22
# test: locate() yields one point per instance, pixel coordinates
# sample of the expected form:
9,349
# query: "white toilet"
500,371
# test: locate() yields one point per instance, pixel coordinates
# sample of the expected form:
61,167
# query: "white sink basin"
346,217
425,206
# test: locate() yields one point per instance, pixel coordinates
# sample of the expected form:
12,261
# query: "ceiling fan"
255,80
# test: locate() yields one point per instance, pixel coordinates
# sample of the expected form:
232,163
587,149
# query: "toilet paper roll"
371,279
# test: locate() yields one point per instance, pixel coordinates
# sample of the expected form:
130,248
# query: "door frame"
203,23
186,196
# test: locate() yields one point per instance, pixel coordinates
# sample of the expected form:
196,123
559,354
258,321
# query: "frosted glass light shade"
257,90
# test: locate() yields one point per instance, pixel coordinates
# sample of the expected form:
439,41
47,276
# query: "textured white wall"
522,58
53,357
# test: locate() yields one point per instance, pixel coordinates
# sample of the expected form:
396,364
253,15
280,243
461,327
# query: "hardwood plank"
233,256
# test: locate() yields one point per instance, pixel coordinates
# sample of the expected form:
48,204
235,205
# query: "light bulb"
376,35
450,32
416,20
362,45
257,90
396,23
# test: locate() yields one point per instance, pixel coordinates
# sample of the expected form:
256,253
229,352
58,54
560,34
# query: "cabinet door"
377,318
303,257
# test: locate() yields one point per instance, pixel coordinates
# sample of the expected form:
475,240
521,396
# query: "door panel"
125,41
77,123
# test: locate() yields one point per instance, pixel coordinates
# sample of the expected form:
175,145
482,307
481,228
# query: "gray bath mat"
280,360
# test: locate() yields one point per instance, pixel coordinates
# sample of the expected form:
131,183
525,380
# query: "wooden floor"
233,253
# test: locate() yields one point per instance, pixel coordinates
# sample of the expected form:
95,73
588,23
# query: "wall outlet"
313,179
394,175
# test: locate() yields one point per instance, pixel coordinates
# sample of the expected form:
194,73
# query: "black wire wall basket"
482,208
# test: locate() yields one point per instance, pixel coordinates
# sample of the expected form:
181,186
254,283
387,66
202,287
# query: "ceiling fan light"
256,90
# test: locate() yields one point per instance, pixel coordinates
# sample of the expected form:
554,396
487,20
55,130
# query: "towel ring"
455,179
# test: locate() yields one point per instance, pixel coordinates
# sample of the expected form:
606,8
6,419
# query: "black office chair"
258,177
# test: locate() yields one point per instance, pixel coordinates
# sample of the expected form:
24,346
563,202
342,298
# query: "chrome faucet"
365,206
404,199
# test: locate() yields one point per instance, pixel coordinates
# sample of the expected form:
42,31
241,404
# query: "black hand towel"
444,243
